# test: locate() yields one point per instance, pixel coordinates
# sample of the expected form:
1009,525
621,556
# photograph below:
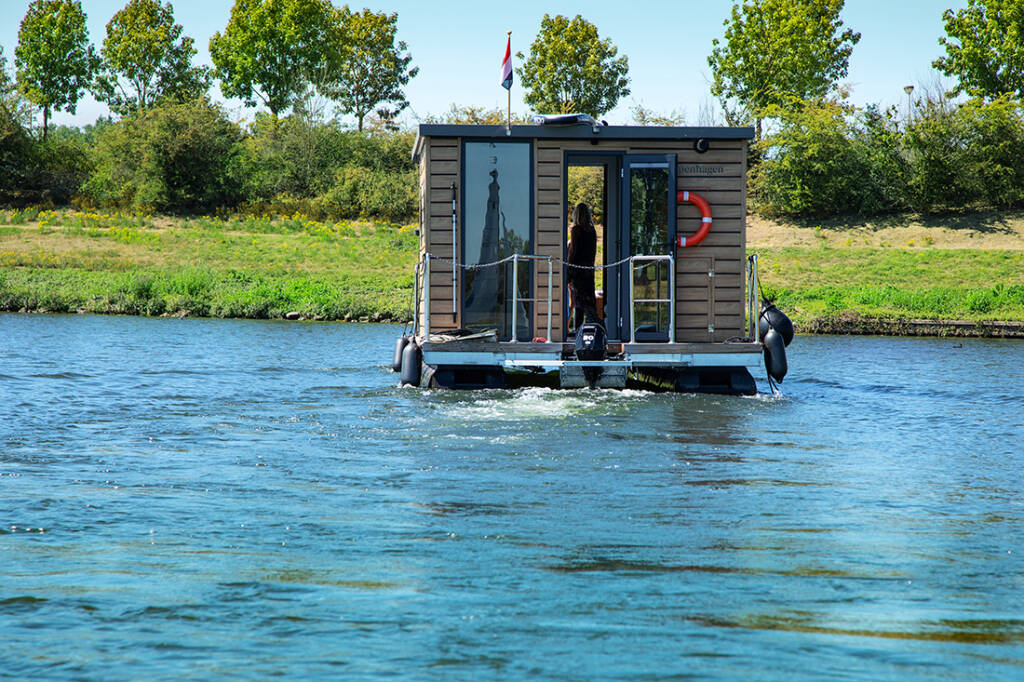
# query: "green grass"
939,284
244,267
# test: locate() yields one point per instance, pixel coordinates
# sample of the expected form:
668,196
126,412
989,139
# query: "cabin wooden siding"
439,168
710,278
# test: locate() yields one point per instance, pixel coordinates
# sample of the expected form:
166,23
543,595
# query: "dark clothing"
582,251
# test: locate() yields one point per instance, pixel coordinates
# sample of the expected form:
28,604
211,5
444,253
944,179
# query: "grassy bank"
244,267
828,278
938,284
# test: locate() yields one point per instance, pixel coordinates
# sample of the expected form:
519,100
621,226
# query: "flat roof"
579,131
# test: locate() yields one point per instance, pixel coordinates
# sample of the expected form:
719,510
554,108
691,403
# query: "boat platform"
689,367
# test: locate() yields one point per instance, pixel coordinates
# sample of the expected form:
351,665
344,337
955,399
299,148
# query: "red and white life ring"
700,202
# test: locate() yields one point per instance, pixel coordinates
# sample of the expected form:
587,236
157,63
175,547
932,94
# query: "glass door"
649,229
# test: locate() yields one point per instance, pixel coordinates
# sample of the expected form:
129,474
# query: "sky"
458,46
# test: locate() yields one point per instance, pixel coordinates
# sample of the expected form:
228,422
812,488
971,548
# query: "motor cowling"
590,342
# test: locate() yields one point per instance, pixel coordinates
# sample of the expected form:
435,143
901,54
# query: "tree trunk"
46,120
360,124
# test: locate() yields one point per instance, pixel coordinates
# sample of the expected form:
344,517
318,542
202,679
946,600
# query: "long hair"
581,215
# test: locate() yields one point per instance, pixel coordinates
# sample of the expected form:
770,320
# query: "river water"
220,498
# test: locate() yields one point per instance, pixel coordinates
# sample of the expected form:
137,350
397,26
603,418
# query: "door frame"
612,163
630,161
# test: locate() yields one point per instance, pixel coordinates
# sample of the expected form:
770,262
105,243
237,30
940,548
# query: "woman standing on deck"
582,251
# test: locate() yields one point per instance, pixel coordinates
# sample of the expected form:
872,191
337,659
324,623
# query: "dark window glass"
495,225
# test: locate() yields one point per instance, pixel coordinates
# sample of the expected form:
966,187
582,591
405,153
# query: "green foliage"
643,116
995,140
826,160
364,192
175,157
470,115
146,60
776,51
272,49
586,184
935,145
373,69
572,70
301,164
296,155
47,172
985,48
54,58
811,165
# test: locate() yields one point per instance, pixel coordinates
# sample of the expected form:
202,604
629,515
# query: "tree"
145,59
776,51
986,48
54,58
373,69
272,49
571,70
643,116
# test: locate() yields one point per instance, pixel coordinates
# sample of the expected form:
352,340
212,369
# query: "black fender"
396,360
775,355
412,360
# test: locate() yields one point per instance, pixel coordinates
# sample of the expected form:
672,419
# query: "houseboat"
677,296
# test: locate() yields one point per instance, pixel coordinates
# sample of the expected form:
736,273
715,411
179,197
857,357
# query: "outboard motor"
775,331
590,342
396,360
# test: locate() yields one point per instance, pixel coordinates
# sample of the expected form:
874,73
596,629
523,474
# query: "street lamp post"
910,112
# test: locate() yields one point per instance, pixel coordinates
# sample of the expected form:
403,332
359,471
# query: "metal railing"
515,292
752,296
424,267
671,300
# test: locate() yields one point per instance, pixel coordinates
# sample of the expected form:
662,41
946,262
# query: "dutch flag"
506,66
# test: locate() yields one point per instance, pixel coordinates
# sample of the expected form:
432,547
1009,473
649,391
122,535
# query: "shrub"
935,145
173,158
810,165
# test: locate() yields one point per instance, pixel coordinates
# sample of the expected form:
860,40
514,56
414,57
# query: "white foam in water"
538,403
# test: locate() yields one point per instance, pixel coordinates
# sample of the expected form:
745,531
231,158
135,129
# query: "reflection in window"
496,224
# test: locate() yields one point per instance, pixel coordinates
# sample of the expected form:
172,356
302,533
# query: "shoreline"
840,325
854,325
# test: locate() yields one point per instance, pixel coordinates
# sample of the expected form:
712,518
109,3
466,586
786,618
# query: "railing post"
632,305
426,297
753,298
515,297
548,337
672,298
416,300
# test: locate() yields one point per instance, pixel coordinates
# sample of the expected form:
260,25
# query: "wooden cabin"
488,193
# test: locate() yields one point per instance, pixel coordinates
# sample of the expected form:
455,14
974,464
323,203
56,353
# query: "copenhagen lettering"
697,169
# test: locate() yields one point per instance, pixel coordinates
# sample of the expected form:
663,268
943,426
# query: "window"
496,223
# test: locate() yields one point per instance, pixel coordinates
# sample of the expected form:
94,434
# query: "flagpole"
508,125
